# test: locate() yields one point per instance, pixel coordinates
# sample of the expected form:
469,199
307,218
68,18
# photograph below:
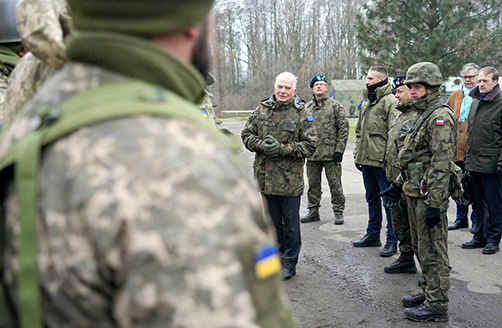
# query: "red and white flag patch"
439,121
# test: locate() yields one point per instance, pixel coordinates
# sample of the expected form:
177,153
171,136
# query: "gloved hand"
432,216
499,170
466,177
359,167
337,157
390,196
270,146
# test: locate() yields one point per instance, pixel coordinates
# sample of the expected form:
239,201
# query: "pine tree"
449,33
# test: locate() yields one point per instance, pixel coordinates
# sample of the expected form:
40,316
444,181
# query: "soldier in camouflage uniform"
43,24
397,132
282,133
427,161
144,221
333,131
207,103
10,47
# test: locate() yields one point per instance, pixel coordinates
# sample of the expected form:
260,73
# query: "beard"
201,58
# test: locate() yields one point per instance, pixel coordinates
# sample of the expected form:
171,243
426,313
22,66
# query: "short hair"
287,75
380,69
467,67
491,70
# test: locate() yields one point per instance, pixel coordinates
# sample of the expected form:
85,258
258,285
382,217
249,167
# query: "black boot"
423,313
312,216
404,264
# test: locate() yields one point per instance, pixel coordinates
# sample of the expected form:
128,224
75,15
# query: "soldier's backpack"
108,102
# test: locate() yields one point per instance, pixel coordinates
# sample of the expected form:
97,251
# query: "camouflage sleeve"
249,133
342,125
146,222
392,111
38,23
306,145
442,130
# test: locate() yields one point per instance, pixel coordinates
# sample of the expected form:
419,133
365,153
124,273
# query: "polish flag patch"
439,121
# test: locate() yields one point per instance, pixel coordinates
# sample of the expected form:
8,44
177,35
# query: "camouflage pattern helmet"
8,31
425,73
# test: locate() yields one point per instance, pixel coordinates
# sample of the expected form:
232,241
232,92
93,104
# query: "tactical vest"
108,102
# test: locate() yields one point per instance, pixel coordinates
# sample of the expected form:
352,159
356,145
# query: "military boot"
338,218
404,264
423,313
410,301
312,216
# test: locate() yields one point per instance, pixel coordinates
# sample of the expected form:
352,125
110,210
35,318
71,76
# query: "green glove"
270,146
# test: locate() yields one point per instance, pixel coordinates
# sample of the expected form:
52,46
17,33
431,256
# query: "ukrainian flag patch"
310,118
267,262
204,113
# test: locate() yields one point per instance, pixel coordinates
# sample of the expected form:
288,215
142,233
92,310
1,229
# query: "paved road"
338,285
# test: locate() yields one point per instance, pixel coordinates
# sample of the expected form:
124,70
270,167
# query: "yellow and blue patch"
204,113
267,262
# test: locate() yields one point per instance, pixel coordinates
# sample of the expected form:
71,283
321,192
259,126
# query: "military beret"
144,18
398,81
316,78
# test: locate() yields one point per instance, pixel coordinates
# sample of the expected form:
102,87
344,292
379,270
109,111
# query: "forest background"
254,40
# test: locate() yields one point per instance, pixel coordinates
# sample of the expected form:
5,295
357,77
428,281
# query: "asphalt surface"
338,285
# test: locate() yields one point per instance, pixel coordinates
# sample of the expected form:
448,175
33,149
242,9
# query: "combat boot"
312,216
338,218
404,264
423,313
410,301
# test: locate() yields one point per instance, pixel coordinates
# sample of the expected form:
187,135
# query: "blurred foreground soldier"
397,133
134,214
44,24
10,47
282,133
427,161
460,102
483,159
377,112
332,129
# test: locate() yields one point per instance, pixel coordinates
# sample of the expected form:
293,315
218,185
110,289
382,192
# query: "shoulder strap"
107,102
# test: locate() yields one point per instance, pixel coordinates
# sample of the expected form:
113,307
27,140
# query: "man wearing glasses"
333,131
460,102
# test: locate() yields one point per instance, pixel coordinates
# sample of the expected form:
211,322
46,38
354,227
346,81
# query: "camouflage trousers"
333,172
401,225
431,247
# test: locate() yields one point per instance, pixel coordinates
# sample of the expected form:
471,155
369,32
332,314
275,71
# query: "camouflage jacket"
483,151
42,25
292,125
433,143
207,109
26,78
332,128
8,59
373,127
397,132
143,221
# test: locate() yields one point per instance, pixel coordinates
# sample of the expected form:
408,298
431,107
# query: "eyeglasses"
470,77
320,84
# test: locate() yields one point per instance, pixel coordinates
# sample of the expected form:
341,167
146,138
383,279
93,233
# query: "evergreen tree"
449,33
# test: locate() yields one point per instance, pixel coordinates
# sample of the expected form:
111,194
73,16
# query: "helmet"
424,72
8,31
398,81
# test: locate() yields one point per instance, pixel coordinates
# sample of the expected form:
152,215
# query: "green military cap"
145,18
316,78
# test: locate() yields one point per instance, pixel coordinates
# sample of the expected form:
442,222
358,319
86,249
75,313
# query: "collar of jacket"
490,96
272,102
432,99
139,59
380,92
403,108
321,100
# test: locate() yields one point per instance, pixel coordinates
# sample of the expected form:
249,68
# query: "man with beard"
332,129
282,133
134,213
377,112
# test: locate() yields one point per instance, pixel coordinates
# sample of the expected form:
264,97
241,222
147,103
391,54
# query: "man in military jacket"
143,220
427,160
377,112
282,134
397,133
483,158
333,131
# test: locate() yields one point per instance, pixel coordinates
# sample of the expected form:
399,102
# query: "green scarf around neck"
139,59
